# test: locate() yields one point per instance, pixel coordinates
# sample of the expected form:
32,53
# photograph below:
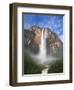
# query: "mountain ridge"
32,39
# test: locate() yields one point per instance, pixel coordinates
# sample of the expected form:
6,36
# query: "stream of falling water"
42,52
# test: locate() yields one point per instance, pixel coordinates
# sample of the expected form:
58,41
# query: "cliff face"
32,39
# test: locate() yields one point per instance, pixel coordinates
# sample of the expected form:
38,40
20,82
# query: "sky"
54,22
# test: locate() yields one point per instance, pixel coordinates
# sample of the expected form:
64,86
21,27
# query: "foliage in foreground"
31,67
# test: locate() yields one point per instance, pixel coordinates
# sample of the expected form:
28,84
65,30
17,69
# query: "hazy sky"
54,22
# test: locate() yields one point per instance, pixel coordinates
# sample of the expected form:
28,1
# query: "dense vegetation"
31,67
56,67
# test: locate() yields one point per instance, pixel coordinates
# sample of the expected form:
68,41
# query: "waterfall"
42,57
42,52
